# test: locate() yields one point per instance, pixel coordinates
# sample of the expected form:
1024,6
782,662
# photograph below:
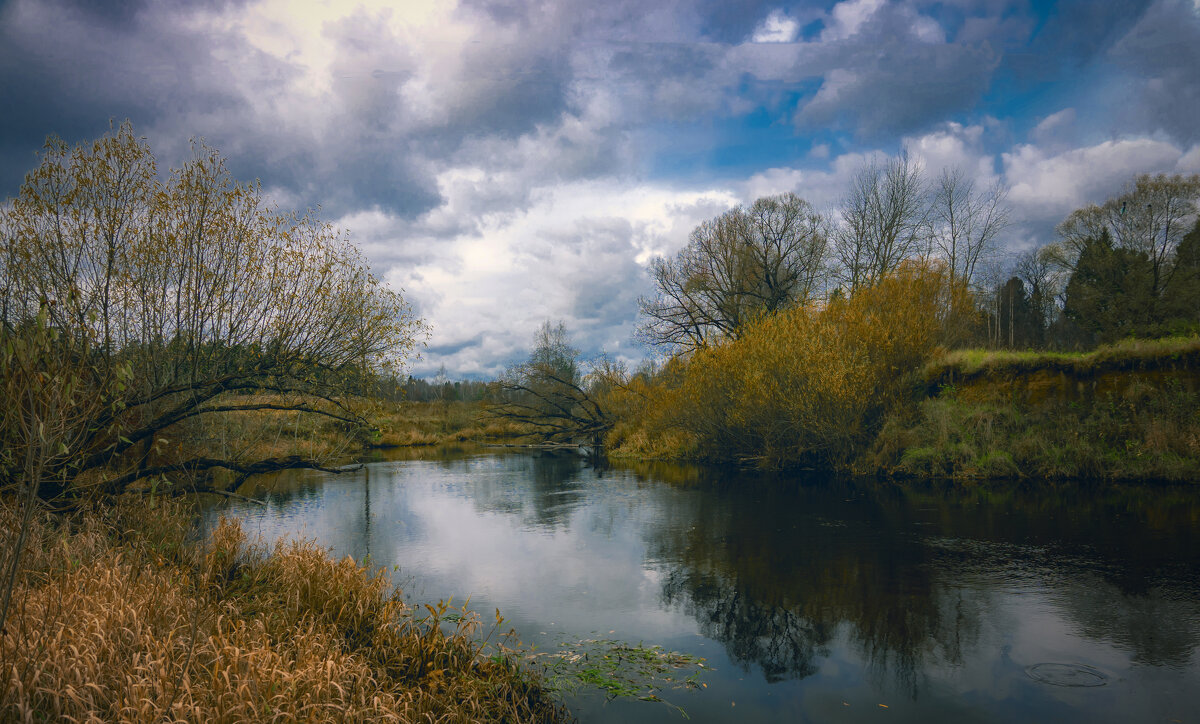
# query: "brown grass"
117,620
408,424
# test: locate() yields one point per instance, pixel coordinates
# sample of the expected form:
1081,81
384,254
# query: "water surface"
812,599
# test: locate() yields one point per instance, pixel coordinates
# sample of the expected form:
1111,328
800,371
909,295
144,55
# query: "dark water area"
812,599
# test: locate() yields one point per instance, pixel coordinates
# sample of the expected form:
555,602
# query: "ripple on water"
1074,675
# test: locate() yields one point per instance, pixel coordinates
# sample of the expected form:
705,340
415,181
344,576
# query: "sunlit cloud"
509,162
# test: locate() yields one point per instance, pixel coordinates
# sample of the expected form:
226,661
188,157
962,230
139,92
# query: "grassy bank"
273,433
115,618
408,424
1132,355
1129,411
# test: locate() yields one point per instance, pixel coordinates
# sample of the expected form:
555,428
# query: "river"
810,599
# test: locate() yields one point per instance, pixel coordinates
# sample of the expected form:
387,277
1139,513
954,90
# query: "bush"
809,384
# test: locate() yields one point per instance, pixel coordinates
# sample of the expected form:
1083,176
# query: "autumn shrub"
113,626
809,384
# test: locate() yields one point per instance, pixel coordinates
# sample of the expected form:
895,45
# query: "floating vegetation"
619,669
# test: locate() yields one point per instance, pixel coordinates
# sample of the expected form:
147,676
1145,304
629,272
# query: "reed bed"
117,618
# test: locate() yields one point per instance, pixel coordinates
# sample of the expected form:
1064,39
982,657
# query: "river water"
811,599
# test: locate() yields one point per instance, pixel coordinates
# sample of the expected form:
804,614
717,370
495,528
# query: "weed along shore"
121,620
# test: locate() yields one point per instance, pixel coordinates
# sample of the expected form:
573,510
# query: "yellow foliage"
807,383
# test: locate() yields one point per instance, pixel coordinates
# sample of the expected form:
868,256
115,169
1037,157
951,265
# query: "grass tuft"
118,621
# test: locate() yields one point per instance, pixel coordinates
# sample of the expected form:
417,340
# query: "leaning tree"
551,394
145,317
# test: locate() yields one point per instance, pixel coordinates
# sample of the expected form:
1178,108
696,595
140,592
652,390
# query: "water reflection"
819,593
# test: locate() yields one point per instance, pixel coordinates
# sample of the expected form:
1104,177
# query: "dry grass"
274,433
116,620
408,424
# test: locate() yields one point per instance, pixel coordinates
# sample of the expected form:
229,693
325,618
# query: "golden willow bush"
806,384
167,301
119,621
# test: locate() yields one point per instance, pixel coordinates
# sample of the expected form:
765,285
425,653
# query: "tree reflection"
775,637
777,570
775,575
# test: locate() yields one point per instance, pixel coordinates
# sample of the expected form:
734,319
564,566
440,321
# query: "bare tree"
883,220
549,392
1046,283
964,223
1151,216
746,262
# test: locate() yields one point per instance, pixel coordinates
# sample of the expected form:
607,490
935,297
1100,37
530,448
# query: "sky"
507,162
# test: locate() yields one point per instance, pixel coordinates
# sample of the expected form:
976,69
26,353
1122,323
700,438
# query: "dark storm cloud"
1162,52
67,72
69,69
891,77
446,350
584,20
897,88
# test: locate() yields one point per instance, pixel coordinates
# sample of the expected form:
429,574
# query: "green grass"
1148,433
415,424
1127,354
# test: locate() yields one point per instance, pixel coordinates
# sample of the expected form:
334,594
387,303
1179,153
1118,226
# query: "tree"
1109,293
1150,218
883,221
1181,297
183,304
964,224
1046,284
550,392
736,267
1019,321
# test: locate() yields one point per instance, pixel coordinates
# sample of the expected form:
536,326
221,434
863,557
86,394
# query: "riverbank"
418,424
116,616
1129,411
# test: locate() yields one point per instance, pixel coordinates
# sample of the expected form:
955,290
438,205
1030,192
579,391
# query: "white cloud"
847,17
954,146
1048,187
577,253
1054,122
1190,161
776,28
927,30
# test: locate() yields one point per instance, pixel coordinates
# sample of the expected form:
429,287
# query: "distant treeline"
415,389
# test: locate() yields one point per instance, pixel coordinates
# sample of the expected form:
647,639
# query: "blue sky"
506,162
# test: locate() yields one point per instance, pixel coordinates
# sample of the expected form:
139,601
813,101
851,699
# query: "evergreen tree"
1181,298
1110,294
